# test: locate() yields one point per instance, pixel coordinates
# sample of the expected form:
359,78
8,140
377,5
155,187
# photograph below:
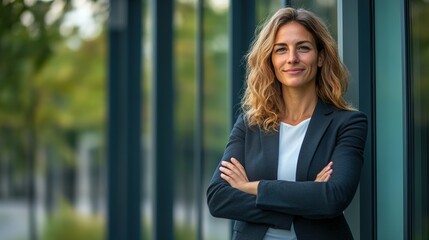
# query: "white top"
290,142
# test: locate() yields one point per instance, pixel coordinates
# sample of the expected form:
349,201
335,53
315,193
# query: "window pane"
147,125
215,108
420,105
326,10
184,117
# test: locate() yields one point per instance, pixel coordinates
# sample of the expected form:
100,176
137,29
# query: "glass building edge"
389,121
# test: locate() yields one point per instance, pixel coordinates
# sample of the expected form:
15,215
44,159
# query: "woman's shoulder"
349,112
243,123
350,117
345,116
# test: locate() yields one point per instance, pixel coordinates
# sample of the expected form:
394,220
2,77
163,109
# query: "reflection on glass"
184,116
326,10
420,105
147,126
215,108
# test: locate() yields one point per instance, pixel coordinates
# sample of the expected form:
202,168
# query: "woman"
293,160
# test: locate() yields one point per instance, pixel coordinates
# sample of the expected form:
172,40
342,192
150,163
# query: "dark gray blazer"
315,208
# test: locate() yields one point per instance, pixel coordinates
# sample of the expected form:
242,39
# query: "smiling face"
295,57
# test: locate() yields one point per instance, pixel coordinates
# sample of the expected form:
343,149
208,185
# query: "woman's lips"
294,71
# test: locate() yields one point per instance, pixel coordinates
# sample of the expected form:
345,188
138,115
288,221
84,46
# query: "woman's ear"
321,58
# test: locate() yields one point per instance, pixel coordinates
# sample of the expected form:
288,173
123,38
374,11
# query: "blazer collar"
319,122
270,143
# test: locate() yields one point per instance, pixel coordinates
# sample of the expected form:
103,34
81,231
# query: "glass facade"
419,132
390,123
214,109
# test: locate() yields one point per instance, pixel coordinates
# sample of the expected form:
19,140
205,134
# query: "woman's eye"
304,48
280,50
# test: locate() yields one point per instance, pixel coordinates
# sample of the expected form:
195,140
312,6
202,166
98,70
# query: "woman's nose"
292,57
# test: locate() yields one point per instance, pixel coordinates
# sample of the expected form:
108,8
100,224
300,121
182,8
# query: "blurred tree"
25,46
51,81
26,38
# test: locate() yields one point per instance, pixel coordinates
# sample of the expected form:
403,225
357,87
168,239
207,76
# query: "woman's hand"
325,174
235,174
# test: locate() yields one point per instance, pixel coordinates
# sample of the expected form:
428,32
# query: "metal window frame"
242,29
124,121
163,117
367,90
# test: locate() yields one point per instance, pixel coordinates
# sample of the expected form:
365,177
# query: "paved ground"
14,223
13,220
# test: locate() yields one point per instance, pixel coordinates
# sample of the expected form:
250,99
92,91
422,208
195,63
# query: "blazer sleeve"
225,201
323,199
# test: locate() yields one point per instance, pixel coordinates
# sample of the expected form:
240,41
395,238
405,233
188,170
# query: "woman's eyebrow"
305,41
280,44
300,42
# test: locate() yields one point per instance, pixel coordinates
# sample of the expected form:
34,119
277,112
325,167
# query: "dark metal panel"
409,157
350,48
163,117
124,106
242,29
368,188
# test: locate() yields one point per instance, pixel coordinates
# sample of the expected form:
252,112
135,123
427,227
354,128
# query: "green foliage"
184,232
66,224
25,46
48,92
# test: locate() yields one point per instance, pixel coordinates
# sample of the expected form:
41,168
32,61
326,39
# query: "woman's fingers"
324,177
239,167
233,172
325,174
229,169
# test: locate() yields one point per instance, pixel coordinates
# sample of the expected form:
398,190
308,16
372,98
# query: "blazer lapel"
318,124
270,149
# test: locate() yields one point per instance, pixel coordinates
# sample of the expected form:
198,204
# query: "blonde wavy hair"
262,102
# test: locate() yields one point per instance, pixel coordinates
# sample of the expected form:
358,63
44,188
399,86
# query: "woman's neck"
298,107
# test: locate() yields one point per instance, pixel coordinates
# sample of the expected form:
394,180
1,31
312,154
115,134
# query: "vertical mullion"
163,117
242,29
408,120
124,106
199,137
368,187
